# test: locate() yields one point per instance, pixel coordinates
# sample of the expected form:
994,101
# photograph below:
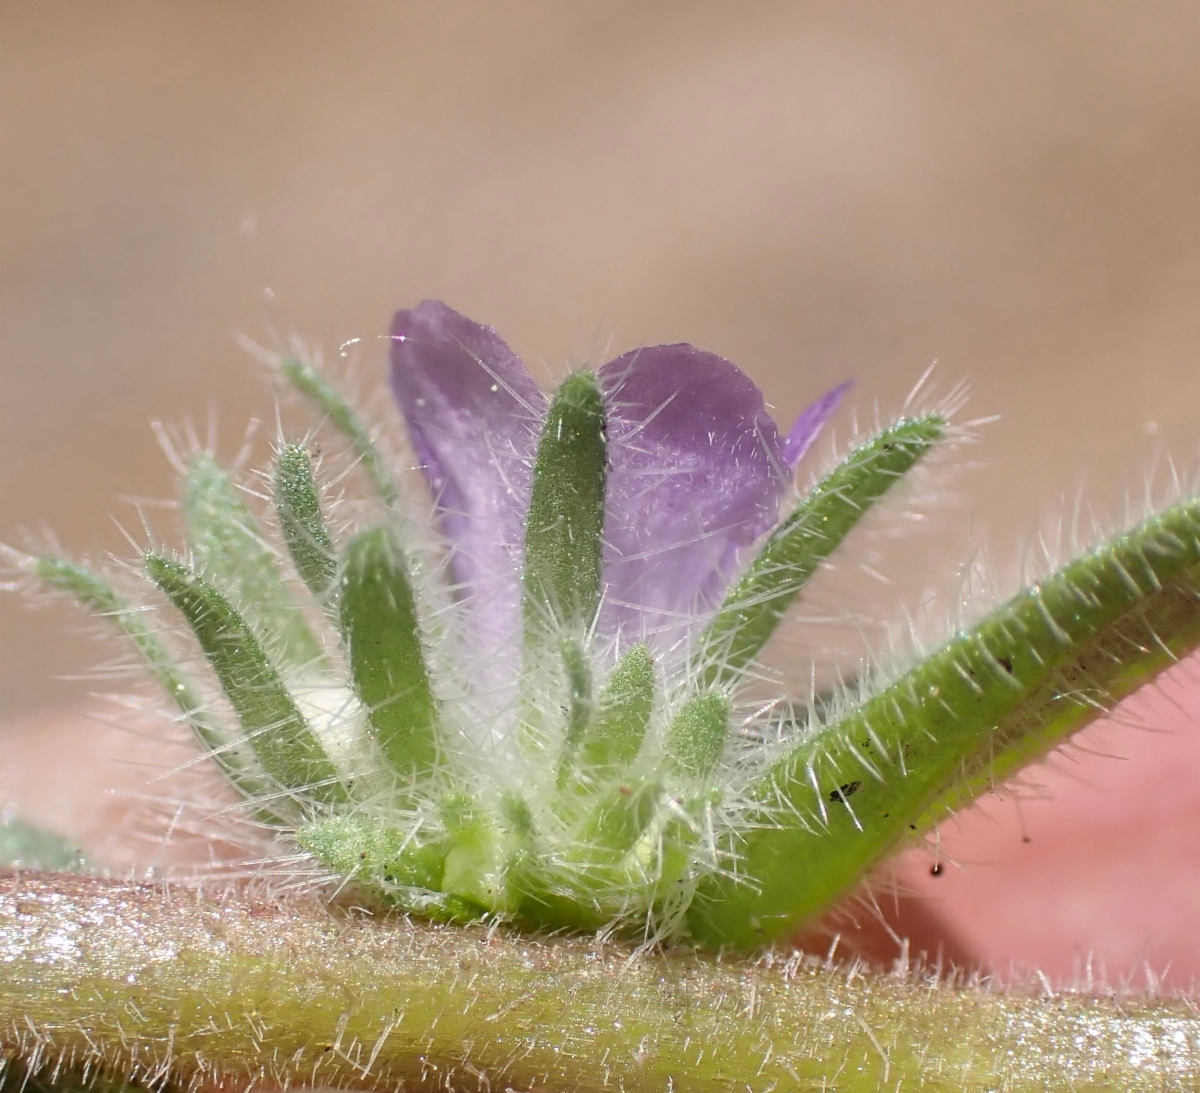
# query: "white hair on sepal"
187,810
1067,532
199,805
838,618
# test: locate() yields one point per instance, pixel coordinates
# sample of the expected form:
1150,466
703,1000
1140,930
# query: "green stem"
224,992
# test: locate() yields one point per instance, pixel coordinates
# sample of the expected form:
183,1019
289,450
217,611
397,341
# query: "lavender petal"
697,474
806,428
473,413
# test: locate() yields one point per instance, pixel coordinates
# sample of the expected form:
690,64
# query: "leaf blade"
853,790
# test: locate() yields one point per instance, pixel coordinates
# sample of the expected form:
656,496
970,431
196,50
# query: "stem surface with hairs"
226,990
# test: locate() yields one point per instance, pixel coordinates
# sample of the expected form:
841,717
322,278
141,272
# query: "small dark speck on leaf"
845,790
1006,664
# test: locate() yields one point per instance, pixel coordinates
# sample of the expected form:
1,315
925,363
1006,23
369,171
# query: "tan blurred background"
816,190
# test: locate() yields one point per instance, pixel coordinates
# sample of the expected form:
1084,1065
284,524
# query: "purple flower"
697,471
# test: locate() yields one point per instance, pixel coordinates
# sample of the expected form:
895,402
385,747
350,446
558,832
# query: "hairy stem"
227,991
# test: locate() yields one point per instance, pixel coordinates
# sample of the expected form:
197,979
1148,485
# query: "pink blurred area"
1088,870
126,787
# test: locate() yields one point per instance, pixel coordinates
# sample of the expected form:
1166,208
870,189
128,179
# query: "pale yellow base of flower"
222,991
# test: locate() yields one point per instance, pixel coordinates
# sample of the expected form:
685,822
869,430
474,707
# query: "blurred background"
814,190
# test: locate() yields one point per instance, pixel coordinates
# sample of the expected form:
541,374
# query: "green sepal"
343,417
30,846
585,885
579,705
614,736
270,719
454,869
697,735
683,825
1055,656
298,504
97,594
366,849
232,554
402,868
754,606
382,635
566,512
617,823
477,859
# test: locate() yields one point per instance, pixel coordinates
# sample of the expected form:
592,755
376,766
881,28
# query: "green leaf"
1165,628
231,552
96,594
754,606
298,504
566,513
1055,656
271,721
32,847
382,635
342,416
